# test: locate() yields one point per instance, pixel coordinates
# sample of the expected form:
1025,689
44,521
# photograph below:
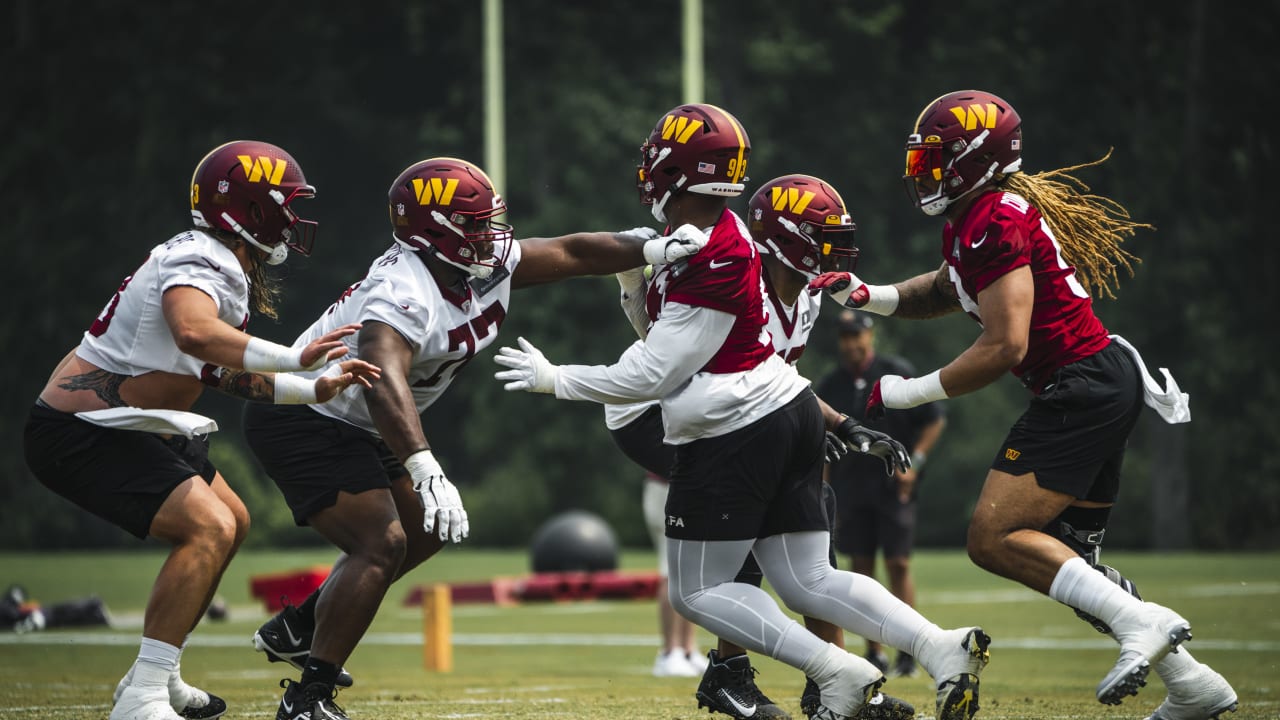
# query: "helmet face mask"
696,148
446,207
803,222
960,142
247,188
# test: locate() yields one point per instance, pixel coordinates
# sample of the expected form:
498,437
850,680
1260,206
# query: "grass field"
592,659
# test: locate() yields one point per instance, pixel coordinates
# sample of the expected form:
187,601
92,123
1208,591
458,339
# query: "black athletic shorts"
875,520
751,573
758,481
122,476
641,441
311,457
1074,433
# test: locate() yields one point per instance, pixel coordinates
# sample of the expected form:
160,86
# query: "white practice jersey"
789,328
444,330
130,336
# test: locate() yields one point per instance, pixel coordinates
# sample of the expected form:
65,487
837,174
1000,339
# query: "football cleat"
136,703
314,701
810,698
187,700
879,707
286,638
956,666
849,687
1205,695
1146,635
728,686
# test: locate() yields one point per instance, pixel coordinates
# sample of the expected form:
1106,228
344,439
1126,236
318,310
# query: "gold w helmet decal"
679,126
977,115
434,189
257,169
790,199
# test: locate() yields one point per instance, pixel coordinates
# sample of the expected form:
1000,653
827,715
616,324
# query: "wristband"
881,299
906,393
265,356
294,390
421,466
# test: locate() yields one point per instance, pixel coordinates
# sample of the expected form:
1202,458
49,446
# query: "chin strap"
275,255
480,272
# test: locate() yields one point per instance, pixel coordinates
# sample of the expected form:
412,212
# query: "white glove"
440,500
640,233
529,371
685,241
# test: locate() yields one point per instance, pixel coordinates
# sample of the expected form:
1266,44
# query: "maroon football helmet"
802,221
695,148
960,141
245,187
446,207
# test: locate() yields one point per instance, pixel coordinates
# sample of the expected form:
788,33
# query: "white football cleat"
851,687
1204,695
187,700
1146,635
956,664
137,703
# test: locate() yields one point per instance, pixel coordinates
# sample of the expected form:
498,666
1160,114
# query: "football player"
800,226
1021,255
750,442
111,430
360,470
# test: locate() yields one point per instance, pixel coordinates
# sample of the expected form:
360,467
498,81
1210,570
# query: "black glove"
863,439
836,448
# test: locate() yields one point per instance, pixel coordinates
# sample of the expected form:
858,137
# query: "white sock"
156,662
1080,586
825,664
1176,666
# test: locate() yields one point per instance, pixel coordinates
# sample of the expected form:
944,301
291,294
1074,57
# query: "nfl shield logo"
223,186
400,209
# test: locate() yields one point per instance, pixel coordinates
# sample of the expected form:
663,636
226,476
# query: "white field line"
53,638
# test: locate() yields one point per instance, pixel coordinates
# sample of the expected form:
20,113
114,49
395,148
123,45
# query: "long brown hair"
1089,228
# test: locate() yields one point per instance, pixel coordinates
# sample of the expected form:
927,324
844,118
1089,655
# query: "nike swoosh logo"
715,266
979,241
746,710
216,268
288,706
292,638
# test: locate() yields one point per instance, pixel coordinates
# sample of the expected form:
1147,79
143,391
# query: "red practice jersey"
724,276
1000,233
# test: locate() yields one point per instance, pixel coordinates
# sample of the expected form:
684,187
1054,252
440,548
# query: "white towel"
1173,405
161,422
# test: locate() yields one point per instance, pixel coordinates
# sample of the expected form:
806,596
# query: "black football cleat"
285,638
729,687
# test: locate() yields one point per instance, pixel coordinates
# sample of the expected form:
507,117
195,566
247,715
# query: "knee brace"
1082,529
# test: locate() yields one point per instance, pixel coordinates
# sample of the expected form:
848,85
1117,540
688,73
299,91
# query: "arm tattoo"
106,385
246,385
927,296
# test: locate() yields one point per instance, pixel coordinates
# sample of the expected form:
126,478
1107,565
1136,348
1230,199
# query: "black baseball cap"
853,322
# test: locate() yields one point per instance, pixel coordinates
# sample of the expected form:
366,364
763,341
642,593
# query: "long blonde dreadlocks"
1089,228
